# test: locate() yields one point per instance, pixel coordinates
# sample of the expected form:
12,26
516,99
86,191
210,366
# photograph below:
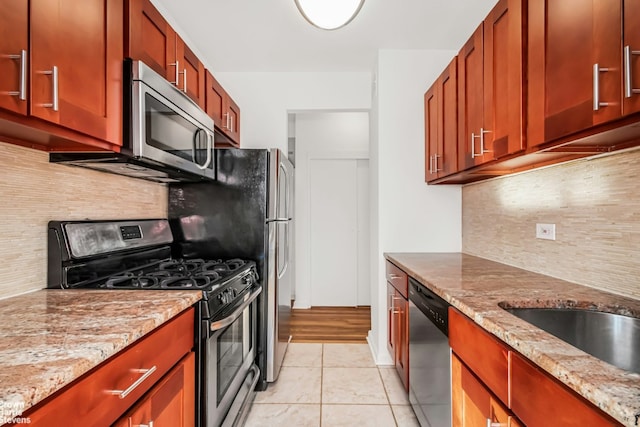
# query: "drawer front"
484,354
398,279
538,399
97,398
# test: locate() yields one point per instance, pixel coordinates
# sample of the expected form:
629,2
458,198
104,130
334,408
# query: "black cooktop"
177,274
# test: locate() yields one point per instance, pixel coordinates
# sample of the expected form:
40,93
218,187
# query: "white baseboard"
379,359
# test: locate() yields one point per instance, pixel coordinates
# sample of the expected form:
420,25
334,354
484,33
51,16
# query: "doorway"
332,209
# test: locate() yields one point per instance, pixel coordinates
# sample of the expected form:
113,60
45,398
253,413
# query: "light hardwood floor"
330,324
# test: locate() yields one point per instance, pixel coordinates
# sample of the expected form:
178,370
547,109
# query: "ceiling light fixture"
329,14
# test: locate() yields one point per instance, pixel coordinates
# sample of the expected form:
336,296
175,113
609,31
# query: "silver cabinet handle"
435,160
482,133
177,65
231,128
492,424
22,82
473,146
54,84
184,79
596,87
431,164
394,276
144,425
628,72
146,373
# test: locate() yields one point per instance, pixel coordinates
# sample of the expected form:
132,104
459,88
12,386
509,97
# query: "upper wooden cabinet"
153,41
441,124
490,87
631,56
76,65
192,75
14,47
224,111
69,75
583,65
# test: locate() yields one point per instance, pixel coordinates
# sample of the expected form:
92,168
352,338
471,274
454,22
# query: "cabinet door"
469,398
151,39
14,45
470,101
431,129
503,80
233,111
538,399
567,40
402,338
631,23
170,403
215,99
76,65
391,322
472,404
447,163
191,73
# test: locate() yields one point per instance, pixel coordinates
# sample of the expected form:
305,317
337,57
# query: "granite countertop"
475,286
49,338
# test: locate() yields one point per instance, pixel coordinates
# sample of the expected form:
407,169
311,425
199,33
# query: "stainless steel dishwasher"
429,357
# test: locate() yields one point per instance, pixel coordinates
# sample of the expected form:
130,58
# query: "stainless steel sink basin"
612,338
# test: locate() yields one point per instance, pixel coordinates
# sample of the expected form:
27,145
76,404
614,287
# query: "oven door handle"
223,323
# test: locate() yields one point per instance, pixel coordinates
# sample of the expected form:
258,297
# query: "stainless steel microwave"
166,136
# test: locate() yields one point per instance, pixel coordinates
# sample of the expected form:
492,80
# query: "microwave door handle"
193,149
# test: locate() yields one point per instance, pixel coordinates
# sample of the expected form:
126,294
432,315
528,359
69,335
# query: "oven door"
230,371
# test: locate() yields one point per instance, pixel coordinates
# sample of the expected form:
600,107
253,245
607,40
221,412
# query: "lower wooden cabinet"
170,403
161,362
398,321
538,398
493,385
472,403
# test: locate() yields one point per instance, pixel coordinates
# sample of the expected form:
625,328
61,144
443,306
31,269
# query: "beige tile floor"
332,385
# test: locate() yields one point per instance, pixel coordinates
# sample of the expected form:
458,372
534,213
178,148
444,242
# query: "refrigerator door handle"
278,220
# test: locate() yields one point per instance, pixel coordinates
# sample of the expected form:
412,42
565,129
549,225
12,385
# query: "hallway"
332,385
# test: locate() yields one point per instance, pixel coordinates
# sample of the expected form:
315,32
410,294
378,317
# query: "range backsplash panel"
595,205
34,191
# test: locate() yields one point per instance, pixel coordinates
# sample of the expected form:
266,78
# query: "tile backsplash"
34,191
595,205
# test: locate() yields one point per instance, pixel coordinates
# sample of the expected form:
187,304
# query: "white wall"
266,98
328,135
406,214
412,217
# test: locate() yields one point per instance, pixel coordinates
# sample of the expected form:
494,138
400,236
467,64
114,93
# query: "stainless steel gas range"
136,255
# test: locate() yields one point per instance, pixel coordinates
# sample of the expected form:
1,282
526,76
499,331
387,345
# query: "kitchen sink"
612,338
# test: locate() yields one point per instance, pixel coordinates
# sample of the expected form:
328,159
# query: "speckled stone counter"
49,338
476,286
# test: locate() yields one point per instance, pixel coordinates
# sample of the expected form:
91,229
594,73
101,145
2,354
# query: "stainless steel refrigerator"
247,212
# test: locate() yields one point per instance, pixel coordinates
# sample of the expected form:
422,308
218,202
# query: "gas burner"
223,266
131,281
192,282
181,266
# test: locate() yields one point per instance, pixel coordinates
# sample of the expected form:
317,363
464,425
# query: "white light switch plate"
546,231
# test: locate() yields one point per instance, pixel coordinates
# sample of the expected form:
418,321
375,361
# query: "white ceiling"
271,35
